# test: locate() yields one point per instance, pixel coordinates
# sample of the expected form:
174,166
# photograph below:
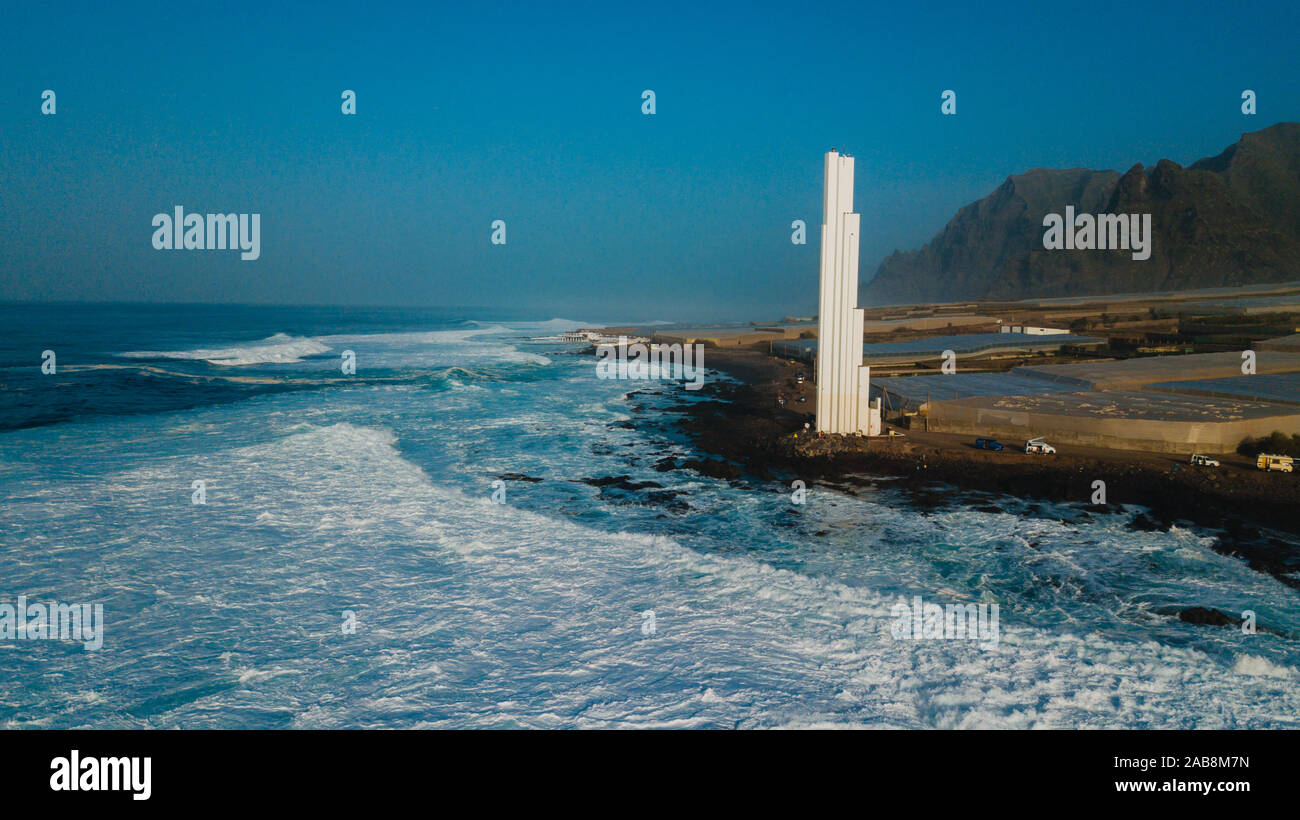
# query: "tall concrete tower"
843,384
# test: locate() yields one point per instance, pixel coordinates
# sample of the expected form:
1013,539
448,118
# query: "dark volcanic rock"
712,467
621,482
668,500
621,489
740,431
1145,523
1261,553
1208,616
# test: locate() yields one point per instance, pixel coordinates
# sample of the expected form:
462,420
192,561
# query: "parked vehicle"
1204,461
1268,462
798,377
1038,445
988,444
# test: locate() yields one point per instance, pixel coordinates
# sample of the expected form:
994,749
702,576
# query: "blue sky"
532,115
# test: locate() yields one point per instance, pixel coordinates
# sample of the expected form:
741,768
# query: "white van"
1037,445
1204,461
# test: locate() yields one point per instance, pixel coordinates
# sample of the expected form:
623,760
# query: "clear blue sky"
531,114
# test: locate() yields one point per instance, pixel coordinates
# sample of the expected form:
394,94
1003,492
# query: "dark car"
988,444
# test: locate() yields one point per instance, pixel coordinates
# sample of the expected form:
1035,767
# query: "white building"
1034,331
843,384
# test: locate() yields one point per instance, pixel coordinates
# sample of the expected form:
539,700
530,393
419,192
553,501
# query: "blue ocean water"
371,494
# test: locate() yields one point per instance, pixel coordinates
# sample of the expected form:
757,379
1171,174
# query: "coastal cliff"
1232,219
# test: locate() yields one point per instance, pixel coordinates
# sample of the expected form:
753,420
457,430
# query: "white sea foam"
553,325
464,347
1261,667
523,619
277,349
375,500
457,347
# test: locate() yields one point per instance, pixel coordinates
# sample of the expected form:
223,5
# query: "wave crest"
277,349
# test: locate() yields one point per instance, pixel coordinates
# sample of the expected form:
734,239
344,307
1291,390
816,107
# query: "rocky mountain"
1233,219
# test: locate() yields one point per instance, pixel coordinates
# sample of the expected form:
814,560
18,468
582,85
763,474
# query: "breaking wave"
472,613
277,349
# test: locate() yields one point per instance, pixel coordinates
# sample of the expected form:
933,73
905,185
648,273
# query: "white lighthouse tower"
843,384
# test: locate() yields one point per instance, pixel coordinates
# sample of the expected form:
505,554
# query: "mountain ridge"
1227,220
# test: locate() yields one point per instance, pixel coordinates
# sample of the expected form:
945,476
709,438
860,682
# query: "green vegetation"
1277,443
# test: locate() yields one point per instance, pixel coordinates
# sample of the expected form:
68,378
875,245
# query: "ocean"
351,565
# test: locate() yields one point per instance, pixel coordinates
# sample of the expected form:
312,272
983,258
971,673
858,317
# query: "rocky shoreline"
746,433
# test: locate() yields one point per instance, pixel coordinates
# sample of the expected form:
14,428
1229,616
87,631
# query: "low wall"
738,339
1160,436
